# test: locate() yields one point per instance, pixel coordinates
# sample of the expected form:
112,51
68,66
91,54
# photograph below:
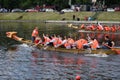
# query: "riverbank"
64,22
56,16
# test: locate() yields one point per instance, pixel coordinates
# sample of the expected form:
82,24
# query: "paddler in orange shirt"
46,39
70,41
92,44
62,43
35,33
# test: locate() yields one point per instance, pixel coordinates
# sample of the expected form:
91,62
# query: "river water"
22,62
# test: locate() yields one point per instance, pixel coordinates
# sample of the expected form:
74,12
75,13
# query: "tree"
10,4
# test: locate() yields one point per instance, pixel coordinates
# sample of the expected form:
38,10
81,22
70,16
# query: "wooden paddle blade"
117,51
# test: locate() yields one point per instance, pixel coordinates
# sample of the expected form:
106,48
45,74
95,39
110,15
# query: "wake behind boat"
97,55
13,35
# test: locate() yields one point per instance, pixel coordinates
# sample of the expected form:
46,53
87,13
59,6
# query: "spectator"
73,17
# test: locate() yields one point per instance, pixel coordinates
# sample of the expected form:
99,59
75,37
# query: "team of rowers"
97,27
69,43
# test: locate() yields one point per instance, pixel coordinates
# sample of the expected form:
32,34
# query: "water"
22,62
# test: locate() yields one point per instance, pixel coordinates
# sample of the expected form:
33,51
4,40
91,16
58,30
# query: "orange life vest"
35,33
46,39
80,43
67,44
70,41
113,28
95,44
56,40
59,41
99,27
92,27
107,28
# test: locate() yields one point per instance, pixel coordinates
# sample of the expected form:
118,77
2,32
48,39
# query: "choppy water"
22,62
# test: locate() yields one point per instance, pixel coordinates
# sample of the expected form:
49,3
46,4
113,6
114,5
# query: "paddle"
113,49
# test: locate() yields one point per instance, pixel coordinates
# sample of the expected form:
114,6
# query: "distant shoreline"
105,22
65,21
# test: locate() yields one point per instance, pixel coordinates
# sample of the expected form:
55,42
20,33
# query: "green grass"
103,16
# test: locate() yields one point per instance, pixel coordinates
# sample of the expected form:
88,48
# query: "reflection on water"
28,63
22,62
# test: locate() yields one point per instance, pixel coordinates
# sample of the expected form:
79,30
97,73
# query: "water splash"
97,55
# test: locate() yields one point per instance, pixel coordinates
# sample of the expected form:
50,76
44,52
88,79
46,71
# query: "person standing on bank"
73,17
35,33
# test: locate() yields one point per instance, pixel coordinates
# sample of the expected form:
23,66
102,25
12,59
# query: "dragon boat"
83,28
13,35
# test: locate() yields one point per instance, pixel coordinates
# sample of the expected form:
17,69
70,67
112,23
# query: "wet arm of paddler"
113,43
88,43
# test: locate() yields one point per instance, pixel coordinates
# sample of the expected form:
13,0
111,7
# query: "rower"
70,41
107,28
114,28
58,42
53,41
100,27
63,43
46,39
79,43
92,44
108,44
92,27
38,40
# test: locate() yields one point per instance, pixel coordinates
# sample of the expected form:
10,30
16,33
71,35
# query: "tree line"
60,4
